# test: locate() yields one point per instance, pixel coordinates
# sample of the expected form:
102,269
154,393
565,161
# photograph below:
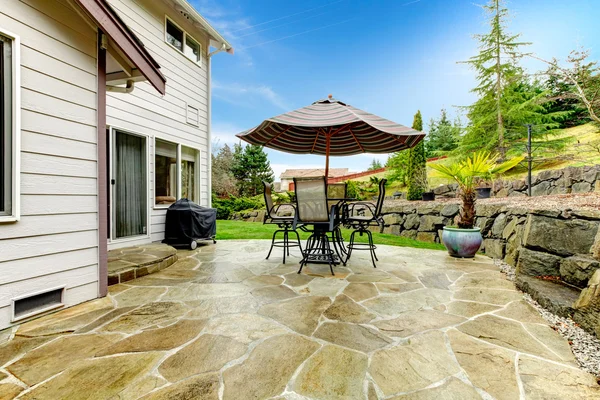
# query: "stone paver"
224,323
333,373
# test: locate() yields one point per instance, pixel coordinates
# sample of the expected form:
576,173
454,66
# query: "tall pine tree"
443,135
497,68
417,169
251,167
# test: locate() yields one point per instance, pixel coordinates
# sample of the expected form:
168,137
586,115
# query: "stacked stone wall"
583,179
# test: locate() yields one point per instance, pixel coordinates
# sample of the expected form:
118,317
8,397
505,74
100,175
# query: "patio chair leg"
284,244
350,244
330,253
299,244
371,249
272,244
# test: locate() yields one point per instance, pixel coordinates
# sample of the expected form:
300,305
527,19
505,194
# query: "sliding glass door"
129,185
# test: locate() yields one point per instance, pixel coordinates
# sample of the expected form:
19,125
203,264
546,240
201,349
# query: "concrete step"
554,296
134,262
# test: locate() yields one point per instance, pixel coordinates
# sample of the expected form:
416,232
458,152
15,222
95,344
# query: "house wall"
146,112
55,241
285,184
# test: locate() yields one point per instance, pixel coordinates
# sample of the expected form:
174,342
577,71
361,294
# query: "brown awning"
127,43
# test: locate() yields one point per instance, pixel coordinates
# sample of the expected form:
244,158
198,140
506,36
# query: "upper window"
8,127
183,42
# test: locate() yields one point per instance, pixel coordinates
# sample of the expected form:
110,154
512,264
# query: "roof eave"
204,24
111,24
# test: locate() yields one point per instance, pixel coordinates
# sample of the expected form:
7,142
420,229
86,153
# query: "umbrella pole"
327,159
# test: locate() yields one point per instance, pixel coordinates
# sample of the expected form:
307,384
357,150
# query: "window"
189,173
165,173
9,149
171,182
192,49
183,42
174,36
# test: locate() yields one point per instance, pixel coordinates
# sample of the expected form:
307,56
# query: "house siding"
55,242
146,112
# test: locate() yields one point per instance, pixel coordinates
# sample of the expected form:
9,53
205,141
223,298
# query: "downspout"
120,89
209,121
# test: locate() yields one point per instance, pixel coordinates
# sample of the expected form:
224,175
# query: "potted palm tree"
465,239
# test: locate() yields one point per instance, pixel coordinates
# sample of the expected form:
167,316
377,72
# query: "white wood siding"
164,117
56,240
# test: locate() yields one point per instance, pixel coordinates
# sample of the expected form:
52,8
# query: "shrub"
354,190
226,207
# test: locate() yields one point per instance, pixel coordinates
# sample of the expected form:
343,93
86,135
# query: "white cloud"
248,95
224,133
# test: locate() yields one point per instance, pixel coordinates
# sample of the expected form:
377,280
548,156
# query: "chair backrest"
381,198
337,190
311,199
268,198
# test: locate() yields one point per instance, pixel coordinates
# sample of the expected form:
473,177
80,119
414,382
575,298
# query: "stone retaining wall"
561,181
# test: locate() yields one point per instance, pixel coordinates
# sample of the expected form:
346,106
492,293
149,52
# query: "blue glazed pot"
462,243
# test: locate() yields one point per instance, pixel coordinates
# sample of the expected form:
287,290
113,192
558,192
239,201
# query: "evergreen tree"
223,181
417,169
397,164
497,68
375,164
576,88
443,135
250,167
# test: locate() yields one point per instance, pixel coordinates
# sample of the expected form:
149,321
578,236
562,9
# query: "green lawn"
255,230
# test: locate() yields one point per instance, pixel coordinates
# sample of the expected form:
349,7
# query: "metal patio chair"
285,224
338,192
362,223
312,209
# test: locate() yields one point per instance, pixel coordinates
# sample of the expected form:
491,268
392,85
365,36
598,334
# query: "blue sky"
388,57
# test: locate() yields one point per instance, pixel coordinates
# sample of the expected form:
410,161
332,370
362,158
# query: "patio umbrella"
331,127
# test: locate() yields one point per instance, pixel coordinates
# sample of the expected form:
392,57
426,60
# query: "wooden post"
102,172
328,139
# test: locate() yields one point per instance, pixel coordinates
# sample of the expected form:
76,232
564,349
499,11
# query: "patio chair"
285,224
312,209
362,223
337,191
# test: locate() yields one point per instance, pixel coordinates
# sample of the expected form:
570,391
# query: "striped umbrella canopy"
331,127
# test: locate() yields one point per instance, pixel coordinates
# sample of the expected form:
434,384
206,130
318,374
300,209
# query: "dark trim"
102,176
112,25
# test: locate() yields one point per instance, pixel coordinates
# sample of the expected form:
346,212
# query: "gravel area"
582,201
585,346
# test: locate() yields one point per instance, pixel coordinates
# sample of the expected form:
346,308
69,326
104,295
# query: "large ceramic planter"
462,243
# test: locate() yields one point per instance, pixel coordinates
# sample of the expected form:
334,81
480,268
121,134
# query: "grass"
255,230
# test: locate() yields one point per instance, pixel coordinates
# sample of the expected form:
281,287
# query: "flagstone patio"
223,323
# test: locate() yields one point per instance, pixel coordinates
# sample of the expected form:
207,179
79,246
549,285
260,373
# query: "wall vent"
36,303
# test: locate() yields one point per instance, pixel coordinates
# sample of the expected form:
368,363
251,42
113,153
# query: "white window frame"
112,239
15,213
196,160
185,35
179,159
